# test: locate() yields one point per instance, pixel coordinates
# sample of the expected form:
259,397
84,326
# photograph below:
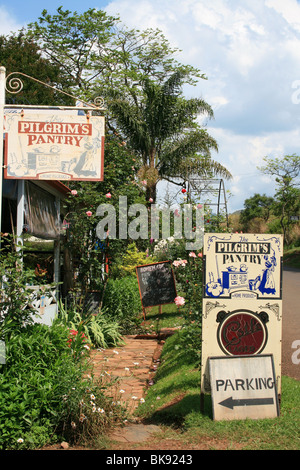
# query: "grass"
174,401
168,318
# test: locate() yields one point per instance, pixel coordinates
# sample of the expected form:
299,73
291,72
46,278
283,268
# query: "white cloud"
289,9
7,22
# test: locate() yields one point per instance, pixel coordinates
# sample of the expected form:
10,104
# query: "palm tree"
160,126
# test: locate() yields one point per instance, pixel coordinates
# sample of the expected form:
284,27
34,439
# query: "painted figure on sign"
267,285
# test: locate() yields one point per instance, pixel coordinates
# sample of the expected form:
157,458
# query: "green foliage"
160,125
286,171
16,310
122,302
188,274
43,390
74,41
125,266
82,240
38,372
89,329
21,54
256,206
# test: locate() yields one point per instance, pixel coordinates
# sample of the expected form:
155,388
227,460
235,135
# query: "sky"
249,51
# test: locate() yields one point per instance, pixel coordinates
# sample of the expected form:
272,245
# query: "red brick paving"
131,363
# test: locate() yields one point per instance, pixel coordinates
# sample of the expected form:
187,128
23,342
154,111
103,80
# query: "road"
290,323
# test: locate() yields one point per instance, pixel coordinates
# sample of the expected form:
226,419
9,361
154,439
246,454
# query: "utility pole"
2,103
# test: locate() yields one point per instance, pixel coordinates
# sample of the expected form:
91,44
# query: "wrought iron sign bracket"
14,85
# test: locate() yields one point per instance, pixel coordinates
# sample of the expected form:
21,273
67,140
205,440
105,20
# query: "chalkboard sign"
156,284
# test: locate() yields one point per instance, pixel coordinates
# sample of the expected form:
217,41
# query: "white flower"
101,410
20,441
134,398
122,391
93,397
142,400
73,425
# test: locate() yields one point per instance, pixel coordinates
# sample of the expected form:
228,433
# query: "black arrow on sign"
230,402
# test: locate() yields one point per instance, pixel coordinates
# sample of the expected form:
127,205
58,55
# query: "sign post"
242,299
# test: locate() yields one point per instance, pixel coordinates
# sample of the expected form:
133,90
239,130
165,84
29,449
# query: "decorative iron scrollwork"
15,85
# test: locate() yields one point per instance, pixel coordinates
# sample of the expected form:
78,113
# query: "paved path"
134,363
290,321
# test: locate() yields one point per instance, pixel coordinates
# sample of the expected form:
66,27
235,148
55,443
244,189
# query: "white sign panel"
242,306
54,146
243,387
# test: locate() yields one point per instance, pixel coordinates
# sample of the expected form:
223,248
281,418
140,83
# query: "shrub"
15,309
99,331
122,302
188,274
44,390
125,266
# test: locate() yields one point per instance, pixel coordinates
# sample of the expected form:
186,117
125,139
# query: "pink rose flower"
150,199
179,301
108,195
192,255
88,213
74,192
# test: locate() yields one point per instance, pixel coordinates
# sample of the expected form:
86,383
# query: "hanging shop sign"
54,146
242,298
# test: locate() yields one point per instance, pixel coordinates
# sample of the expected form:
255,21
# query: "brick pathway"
134,364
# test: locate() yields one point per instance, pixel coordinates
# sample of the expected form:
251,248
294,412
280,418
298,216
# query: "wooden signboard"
243,387
242,298
54,146
156,284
